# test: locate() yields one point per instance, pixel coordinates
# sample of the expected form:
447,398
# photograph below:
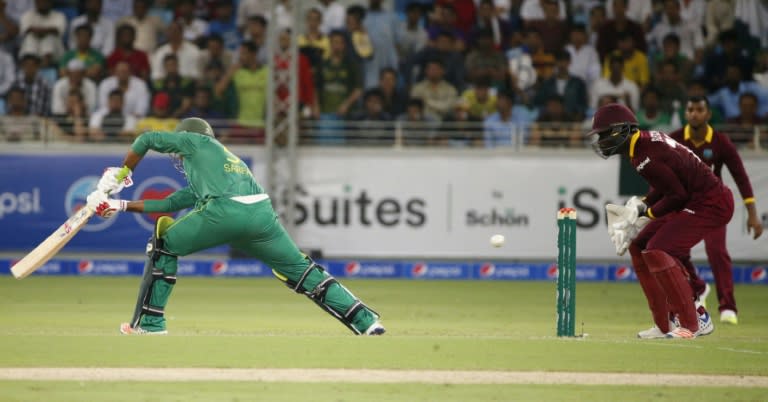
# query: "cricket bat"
57,240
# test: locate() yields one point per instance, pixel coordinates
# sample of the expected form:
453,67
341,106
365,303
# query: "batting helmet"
195,125
612,126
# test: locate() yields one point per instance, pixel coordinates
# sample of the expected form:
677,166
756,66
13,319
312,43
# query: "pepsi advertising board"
38,193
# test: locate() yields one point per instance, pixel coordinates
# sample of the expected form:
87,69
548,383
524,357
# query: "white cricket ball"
497,240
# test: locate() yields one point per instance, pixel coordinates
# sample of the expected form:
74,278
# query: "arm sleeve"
165,142
177,201
668,194
736,167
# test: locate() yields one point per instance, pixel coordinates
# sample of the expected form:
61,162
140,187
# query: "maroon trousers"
722,269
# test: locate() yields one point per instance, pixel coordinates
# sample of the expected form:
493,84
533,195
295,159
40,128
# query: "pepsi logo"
419,269
352,268
758,274
487,270
154,188
552,271
84,266
623,272
218,267
157,194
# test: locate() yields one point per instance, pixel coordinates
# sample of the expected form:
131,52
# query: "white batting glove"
95,198
109,184
110,208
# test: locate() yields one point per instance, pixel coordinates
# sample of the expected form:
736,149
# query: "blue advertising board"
38,193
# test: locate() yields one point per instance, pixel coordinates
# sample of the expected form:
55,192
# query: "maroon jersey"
717,150
678,178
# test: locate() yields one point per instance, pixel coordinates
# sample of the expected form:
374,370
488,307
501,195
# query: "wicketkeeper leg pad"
157,282
671,276
331,296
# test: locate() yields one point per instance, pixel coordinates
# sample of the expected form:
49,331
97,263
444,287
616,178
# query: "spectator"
159,118
651,115
671,52
340,84
729,52
7,72
616,85
760,74
215,50
249,8
444,20
477,102
102,28
73,80
692,11
316,43
194,28
543,61
134,90
417,127
571,89
486,60
147,26
727,98
307,97
361,46
394,97
488,19
520,64
115,9
465,14
507,126
441,49
334,15
371,121
719,18
42,29
584,60
596,20
249,78
202,106
534,10
17,124
638,11
635,61
748,116
439,95
754,14
37,93
110,123
9,29
256,33
381,26
670,86
178,88
691,38
187,54
93,59
73,123
607,37
555,126
224,103
137,60
16,8
225,25
553,30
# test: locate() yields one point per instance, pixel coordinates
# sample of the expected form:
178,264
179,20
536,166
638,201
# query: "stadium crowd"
471,71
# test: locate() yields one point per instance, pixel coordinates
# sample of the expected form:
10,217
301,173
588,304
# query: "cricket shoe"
126,329
375,329
706,326
654,332
680,333
729,316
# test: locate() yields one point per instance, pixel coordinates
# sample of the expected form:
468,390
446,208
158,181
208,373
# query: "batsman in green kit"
228,207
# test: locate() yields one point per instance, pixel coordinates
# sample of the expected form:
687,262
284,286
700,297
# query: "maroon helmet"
612,126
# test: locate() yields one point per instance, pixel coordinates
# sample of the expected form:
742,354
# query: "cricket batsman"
686,203
230,207
715,149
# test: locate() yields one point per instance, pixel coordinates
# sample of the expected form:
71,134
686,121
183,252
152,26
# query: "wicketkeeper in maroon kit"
686,203
715,149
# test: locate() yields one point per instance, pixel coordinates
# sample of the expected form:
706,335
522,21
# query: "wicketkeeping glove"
623,225
109,184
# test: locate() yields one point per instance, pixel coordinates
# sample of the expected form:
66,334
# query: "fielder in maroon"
715,149
686,202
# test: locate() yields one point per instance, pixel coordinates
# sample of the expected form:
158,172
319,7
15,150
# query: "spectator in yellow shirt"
635,62
160,116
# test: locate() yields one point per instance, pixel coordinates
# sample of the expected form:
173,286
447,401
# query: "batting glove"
110,208
109,184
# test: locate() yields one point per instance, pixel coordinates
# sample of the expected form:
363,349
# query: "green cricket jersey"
212,170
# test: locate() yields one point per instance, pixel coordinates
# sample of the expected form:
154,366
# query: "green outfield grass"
445,325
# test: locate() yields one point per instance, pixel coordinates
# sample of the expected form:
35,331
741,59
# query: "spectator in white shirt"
110,123
7,72
639,11
74,80
103,38
334,15
626,91
194,28
693,11
534,10
691,37
147,26
42,29
249,8
135,91
187,53
16,8
585,63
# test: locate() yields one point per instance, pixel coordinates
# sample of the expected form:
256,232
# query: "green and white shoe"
126,329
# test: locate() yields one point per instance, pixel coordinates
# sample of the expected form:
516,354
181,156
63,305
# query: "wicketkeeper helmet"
612,126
